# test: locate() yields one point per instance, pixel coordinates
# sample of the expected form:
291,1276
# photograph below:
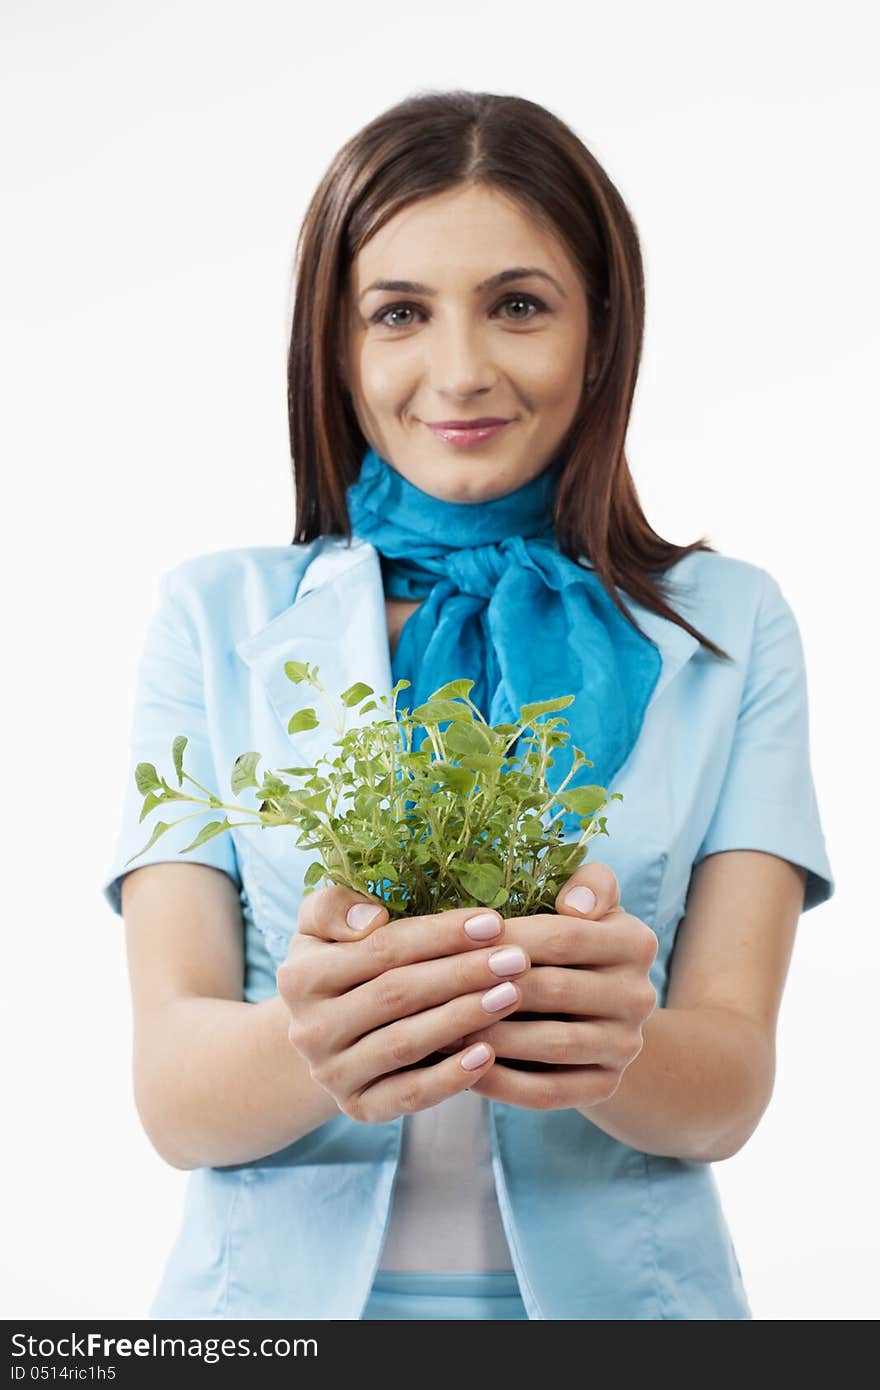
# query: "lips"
465,436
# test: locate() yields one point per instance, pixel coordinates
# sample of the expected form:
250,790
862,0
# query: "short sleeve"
169,700
768,800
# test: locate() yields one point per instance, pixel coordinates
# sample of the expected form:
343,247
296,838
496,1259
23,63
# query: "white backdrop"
157,160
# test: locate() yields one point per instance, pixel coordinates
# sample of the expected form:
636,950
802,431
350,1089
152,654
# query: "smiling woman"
378,1126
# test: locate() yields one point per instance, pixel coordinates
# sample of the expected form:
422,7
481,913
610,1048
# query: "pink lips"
466,435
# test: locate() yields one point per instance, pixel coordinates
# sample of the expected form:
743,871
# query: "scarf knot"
478,571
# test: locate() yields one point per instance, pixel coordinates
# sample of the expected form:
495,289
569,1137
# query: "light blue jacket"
597,1230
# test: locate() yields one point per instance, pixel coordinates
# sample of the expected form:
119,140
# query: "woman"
466,260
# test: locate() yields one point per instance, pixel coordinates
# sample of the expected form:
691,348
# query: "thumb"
338,913
591,891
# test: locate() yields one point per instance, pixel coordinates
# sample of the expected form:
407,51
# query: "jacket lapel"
337,623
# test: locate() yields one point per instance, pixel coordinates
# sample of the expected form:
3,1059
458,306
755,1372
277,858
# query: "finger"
409,1040
561,1043
411,989
336,913
553,939
560,989
406,941
547,1090
421,1087
591,891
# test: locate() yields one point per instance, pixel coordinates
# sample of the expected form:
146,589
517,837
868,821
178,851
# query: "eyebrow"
517,272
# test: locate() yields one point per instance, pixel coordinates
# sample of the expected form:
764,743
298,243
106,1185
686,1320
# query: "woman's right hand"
366,1006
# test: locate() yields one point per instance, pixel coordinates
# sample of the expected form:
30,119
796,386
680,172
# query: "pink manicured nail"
360,915
581,898
499,997
510,961
475,1057
483,927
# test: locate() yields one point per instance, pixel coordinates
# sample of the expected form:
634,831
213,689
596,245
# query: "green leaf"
531,828
302,720
159,829
566,859
301,804
214,827
415,761
452,689
313,873
177,754
355,693
366,800
584,801
460,779
296,671
435,711
480,881
273,787
529,713
478,762
463,737
147,778
505,731
150,804
243,772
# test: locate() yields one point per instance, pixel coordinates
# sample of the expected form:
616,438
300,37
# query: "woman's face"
458,349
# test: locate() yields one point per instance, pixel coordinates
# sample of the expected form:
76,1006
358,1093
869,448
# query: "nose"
459,361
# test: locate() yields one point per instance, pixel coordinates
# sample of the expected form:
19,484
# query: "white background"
157,160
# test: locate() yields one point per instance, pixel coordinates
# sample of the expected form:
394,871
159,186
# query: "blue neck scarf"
504,607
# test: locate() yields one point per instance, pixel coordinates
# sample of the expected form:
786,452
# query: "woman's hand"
590,971
367,1006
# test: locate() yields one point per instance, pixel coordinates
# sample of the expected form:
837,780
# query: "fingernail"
483,927
581,898
507,962
360,915
475,1057
499,997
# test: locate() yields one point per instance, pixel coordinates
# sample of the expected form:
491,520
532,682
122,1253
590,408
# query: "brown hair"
424,145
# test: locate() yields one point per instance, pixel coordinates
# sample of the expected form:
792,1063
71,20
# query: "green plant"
453,822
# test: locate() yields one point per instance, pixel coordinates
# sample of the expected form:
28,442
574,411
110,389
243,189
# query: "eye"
382,316
528,299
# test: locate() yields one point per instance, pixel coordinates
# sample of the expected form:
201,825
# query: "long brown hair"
424,145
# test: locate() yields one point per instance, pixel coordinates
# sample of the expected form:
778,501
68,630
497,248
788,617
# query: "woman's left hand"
592,964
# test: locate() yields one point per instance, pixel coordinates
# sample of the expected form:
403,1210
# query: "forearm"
697,1089
218,1082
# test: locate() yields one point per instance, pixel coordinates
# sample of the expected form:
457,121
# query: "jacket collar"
337,622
